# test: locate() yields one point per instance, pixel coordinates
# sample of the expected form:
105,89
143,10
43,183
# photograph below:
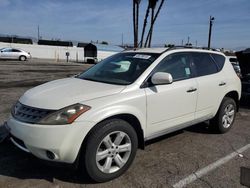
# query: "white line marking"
198,174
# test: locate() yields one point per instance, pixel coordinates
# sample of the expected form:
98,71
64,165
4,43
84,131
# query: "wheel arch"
22,56
131,119
235,96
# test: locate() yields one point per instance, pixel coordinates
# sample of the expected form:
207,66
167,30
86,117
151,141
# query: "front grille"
29,114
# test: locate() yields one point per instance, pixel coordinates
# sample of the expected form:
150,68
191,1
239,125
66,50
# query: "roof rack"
177,47
190,47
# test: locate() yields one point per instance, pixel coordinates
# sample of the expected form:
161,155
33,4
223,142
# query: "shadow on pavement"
202,128
18,164
245,102
163,137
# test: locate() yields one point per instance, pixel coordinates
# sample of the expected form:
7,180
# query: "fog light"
50,155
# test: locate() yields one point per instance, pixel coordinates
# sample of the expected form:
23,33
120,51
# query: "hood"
64,92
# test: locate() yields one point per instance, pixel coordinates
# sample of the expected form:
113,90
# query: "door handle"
222,83
191,90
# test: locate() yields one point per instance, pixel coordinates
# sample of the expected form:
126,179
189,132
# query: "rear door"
211,84
15,53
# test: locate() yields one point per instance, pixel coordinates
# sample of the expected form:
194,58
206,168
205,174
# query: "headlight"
65,116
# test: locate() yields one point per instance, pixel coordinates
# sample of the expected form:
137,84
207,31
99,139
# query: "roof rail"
190,47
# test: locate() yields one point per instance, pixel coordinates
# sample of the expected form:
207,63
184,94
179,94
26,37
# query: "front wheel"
22,58
110,150
225,116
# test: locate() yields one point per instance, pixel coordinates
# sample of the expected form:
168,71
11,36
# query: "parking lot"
165,162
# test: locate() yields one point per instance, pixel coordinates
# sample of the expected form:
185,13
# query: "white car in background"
13,53
102,116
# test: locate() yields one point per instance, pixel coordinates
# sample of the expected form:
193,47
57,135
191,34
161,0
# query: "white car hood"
64,92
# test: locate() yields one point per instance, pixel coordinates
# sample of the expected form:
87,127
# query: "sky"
108,20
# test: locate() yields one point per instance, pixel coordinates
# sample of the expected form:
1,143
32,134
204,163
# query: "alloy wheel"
113,152
228,116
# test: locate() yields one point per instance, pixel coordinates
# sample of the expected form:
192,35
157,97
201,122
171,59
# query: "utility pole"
38,33
211,20
122,39
188,40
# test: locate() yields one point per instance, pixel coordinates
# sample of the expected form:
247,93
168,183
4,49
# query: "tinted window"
121,69
15,50
203,63
219,60
233,60
178,65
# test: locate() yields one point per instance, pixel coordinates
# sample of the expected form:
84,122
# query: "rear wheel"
225,116
110,150
22,58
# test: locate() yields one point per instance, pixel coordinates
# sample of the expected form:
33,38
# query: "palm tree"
152,6
134,23
136,4
150,32
145,23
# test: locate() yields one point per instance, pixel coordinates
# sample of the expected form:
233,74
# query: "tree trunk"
134,24
150,36
152,24
144,25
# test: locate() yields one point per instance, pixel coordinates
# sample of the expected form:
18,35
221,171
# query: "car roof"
148,50
12,48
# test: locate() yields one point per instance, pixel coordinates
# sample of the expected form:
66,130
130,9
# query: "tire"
224,119
121,146
22,58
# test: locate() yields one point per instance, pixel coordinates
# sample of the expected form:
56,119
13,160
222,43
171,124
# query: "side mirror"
161,78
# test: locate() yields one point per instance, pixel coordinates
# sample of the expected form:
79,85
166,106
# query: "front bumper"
64,141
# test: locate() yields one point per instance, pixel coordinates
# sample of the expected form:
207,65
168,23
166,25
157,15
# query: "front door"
172,105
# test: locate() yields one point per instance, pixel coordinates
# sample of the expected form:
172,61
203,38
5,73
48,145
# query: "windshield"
121,69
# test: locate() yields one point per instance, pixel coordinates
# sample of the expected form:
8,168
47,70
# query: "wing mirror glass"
161,78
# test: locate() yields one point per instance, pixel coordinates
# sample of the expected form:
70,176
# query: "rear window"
204,65
219,60
15,50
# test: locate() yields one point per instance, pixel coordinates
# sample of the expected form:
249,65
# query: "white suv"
102,116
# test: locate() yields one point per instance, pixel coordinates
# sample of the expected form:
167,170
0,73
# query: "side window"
7,50
15,50
203,63
178,65
219,60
